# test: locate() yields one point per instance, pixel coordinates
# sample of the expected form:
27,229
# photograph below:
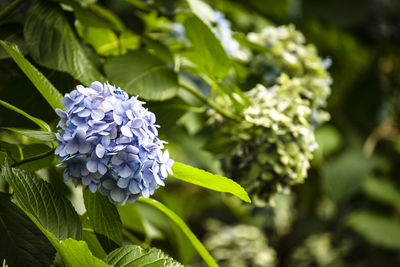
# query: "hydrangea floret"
108,142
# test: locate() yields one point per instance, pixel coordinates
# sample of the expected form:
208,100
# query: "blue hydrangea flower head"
108,142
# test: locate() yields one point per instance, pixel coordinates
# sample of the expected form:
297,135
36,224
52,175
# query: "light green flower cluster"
275,141
238,246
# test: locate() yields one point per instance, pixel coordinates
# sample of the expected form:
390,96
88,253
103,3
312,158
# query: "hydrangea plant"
274,142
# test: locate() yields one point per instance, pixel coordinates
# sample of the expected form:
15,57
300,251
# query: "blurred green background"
347,213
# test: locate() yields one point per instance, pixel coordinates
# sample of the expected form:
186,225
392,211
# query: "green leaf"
377,229
141,73
77,253
74,253
208,180
104,41
103,216
44,86
135,256
131,218
39,135
185,229
207,52
40,199
21,242
158,49
85,16
53,44
383,191
39,122
344,176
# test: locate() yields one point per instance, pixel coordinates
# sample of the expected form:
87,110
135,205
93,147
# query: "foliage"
240,89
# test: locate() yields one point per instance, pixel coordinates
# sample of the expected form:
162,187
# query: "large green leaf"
40,199
207,52
74,253
39,135
383,191
103,216
49,92
377,229
135,256
21,242
39,122
208,180
53,44
185,229
141,73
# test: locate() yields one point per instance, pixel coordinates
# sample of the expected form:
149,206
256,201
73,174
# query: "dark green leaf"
39,135
21,242
377,229
208,180
39,122
44,86
207,52
73,252
85,16
185,229
103,216
53,211
141,73
136,256
53,44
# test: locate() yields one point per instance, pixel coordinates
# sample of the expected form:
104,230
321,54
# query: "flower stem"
210,103
37,157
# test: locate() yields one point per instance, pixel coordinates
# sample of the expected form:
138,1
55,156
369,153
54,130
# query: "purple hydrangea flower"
108,142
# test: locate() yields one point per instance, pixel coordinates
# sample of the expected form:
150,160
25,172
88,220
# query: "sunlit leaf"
206,52
132,255
208,180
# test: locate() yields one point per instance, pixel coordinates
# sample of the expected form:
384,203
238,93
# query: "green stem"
8,9
37,157
131,237
210,103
